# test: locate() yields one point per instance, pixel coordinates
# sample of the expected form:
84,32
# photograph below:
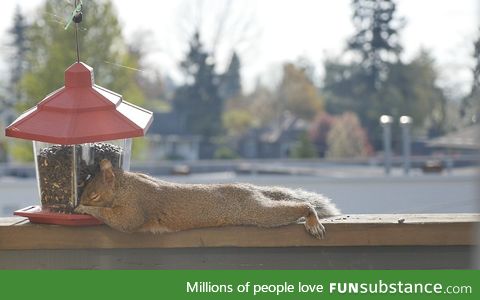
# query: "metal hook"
76,17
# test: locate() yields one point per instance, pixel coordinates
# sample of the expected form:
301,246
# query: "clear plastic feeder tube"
63,171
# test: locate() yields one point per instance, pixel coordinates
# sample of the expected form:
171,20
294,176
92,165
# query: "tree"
470,108
10,93
231,82
150,80
17,59
304,148
357,85
476,69
237,122
223,25
257,104
344,88
376,38
225,152
52,50
347,138
319,130
297,93
155,91
411,89
198,100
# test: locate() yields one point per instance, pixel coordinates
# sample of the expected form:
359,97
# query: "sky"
267,33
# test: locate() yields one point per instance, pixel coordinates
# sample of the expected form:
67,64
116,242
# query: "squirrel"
135,202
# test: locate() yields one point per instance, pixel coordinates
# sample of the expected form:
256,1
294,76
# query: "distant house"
466,140
168,139
272,141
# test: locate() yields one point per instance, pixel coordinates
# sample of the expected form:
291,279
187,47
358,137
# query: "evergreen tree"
344,88
376,38
231,82
409,89
359,85
198,101
379,82
17,59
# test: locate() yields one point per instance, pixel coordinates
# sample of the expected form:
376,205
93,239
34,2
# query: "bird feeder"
72,130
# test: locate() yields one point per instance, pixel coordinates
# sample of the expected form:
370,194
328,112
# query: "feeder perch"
72,129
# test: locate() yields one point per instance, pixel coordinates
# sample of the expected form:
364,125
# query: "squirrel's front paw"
81,209
314,227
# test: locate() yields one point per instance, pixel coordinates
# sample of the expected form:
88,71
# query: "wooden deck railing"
352,241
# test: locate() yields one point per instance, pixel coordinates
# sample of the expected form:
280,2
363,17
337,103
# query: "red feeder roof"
81,112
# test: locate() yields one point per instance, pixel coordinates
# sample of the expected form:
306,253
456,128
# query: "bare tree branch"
220,26
231,29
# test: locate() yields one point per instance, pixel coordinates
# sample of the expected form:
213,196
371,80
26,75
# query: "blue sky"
284,30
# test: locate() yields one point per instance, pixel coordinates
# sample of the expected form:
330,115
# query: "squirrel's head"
99,190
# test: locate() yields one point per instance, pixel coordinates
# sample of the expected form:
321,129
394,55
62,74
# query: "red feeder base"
38,215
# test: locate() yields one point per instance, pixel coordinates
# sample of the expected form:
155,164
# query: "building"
272,141
168,139
465,140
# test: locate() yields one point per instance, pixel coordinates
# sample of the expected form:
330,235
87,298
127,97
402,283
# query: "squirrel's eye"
94,196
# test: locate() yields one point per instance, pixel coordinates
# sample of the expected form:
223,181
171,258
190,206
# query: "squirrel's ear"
107,171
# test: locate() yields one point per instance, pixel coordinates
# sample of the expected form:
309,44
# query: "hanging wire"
123,66
76,17
76,37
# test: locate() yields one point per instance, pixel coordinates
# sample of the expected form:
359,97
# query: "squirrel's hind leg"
278,213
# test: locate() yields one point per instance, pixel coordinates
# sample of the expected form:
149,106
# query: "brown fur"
132,202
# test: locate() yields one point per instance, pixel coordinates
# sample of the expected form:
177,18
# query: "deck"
388,241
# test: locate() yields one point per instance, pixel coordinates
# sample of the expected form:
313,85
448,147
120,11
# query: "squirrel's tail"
324,207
